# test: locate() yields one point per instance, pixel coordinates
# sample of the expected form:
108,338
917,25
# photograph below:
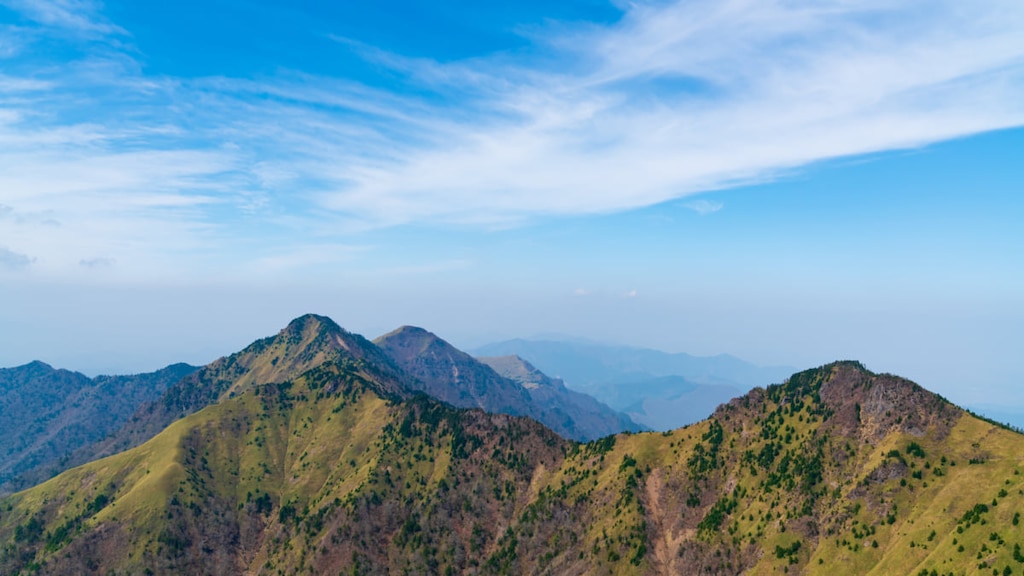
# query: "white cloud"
10,85
580,292
765,86
77,15
14,260
97,262
11,41
282,262
704,207
674,99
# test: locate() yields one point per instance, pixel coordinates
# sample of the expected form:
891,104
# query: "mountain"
836,471
315,474
446,373
581,417
49,413
659,390
669,402
306,342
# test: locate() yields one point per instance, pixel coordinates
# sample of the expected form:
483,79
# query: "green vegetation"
337,470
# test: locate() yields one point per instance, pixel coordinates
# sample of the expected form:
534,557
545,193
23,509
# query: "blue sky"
790,182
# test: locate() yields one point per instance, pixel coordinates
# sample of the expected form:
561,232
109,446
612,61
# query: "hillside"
49,413
333,470
306,342
448,374
660,390
838,471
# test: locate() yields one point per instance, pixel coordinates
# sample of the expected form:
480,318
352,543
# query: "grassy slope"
648,502
251,483
306,342
333,474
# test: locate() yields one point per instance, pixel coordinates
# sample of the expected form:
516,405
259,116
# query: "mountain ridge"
305,342
517,368
558,404
660,390
49,412
837,470
625,359
451,375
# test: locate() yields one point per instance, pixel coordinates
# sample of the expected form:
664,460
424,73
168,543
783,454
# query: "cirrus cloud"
674,99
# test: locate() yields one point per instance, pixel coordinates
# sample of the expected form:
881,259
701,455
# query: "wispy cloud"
281,262
98,262
427,268
704,207
690,96
674,99
14,260
81,16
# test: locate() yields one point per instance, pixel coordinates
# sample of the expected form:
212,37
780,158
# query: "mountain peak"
311,323
507,385
408,333
450,374
858,402
412,341
516,368
312,334
408,330
34,367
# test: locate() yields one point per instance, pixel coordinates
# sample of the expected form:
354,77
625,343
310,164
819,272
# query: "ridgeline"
342,468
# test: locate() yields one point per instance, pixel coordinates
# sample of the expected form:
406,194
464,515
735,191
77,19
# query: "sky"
791,182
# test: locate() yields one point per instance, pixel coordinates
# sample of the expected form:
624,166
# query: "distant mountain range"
46,413
317,451
1004,414
660,390
506,386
